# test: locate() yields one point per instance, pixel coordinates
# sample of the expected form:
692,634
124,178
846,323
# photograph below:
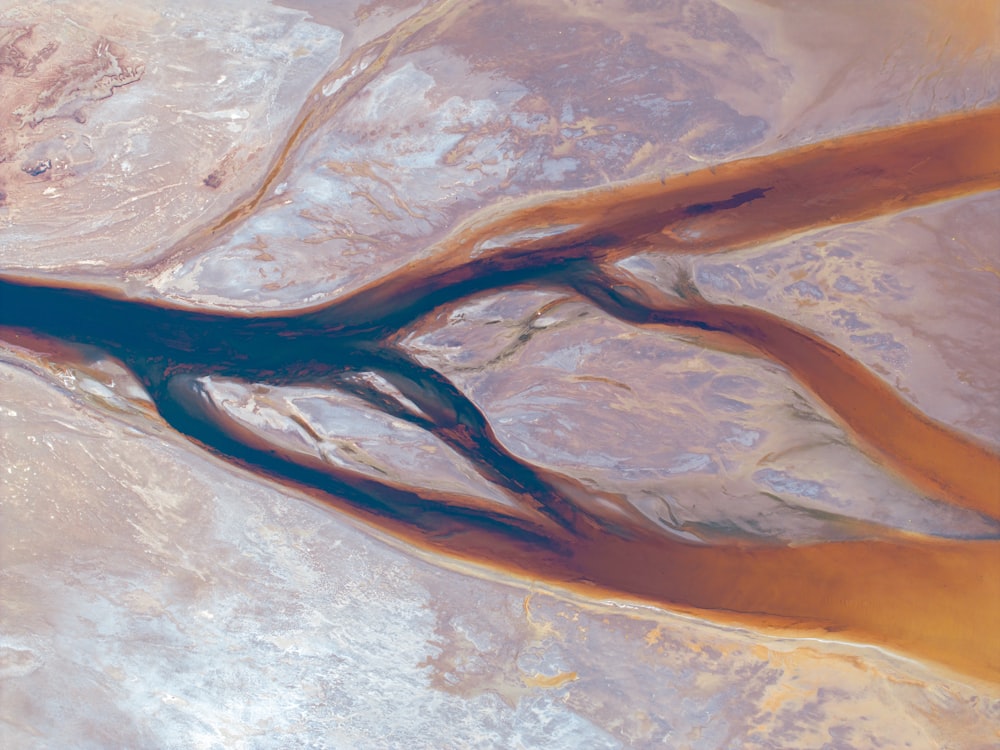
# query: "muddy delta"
443,373
937,599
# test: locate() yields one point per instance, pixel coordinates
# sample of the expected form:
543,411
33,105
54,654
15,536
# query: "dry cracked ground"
504,375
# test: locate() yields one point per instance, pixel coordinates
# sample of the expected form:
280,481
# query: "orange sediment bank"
935,458
934,600
767,197
716,209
